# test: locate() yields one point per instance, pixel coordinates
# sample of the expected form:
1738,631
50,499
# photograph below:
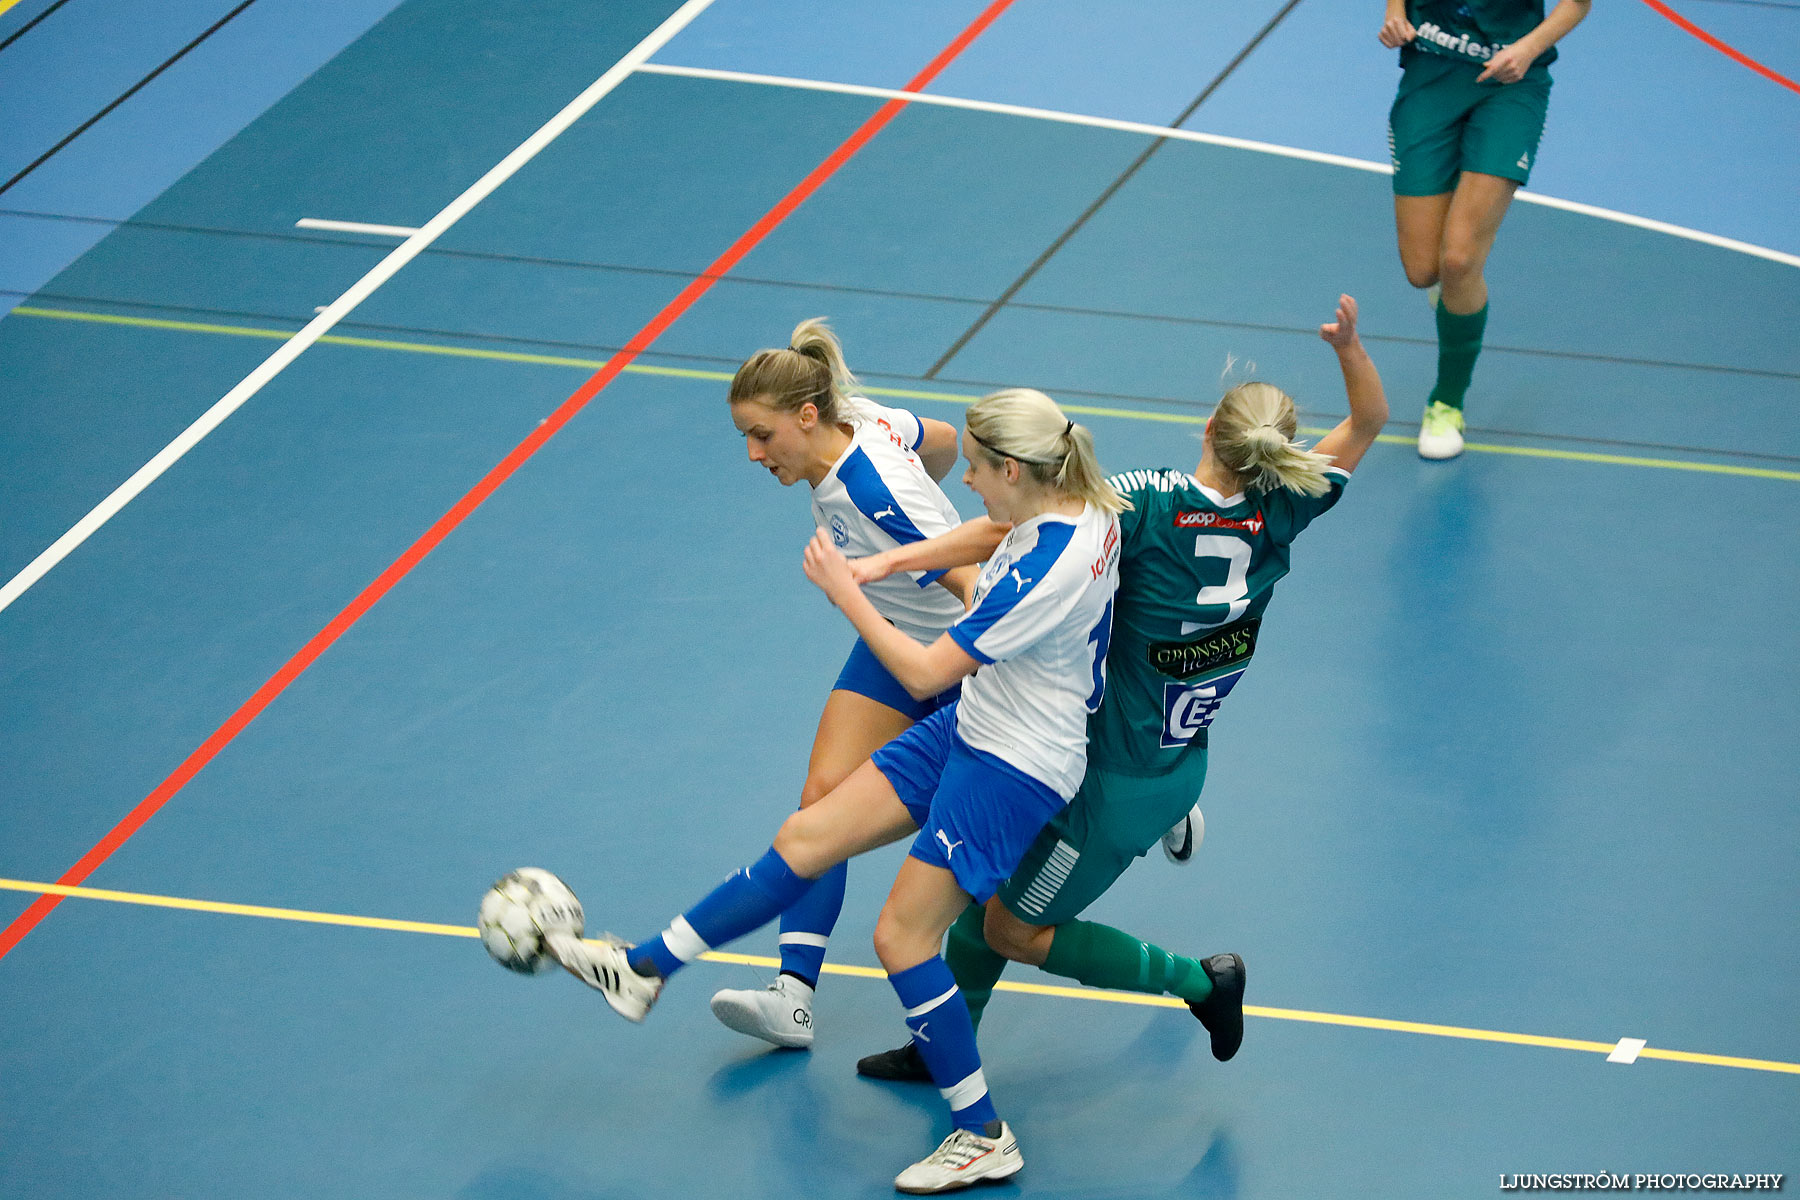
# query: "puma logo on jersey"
886,512
1019,580
949,846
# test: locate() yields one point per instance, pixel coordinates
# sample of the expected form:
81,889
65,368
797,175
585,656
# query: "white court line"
1210,139
354,227
346,303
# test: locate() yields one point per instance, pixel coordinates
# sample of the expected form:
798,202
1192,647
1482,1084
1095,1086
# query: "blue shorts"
976,814
864,675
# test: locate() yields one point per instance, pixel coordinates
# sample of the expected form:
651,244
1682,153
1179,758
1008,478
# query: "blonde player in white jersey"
873,473
975,780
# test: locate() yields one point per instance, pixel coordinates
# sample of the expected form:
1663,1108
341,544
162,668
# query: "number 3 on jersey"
1234,594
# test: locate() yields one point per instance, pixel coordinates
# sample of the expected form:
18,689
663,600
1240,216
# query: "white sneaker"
1185,837
964,1158
1441,431
780,1013
603,966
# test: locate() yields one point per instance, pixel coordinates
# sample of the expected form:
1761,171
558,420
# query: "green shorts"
1109,824
1444,123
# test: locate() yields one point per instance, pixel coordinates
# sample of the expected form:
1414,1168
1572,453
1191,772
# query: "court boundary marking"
553,360
1345,1020
1212,139
477,495
1723,47
361,290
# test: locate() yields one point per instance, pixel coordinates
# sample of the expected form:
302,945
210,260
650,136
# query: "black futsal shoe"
897,1066
1222,1012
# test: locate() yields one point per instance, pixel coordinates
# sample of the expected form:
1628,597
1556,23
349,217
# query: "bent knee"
1008,936
898,947
1461,264
799,842
1420,275
819,785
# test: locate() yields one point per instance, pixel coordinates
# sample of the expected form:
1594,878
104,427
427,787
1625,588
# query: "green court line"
591,364
1426,1029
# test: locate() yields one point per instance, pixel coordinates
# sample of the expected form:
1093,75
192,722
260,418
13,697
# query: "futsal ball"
519,911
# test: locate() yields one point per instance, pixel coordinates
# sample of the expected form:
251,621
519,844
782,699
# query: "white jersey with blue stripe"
1039,626
878,495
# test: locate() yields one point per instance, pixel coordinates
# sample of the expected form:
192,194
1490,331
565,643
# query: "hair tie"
1068,429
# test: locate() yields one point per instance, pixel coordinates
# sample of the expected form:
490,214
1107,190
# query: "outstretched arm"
969,543
1511,63
923,671
1362,382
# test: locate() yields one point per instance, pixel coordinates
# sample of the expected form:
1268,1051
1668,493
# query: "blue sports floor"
1513,780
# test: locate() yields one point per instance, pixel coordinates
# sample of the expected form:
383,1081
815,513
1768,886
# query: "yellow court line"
1031,989
6,4
1134,414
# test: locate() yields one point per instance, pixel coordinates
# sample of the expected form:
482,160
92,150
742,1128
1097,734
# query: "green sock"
1459,345
974,964
1101,956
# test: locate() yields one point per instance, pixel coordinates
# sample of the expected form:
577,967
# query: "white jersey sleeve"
904,427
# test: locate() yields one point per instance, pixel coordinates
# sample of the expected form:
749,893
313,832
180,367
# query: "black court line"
850,290
28,26
370,241
1111,190
133,90
728,363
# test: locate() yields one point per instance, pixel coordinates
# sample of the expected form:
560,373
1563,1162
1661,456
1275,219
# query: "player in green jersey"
1200,558
1464,132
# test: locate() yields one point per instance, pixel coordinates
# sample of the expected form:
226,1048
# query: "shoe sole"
747,1021
995,1177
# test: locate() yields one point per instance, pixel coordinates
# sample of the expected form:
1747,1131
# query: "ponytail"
809,369
1253,436
1028,427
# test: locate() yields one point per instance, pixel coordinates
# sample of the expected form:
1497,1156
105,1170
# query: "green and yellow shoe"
1441,431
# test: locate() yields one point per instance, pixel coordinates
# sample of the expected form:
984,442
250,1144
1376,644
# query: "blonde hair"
1253,437
809,369
1026,426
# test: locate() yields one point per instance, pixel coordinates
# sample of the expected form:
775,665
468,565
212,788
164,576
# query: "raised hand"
1341,333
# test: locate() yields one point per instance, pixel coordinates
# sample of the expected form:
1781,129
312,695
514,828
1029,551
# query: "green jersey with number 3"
1196,571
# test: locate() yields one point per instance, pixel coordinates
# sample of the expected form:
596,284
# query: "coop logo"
840,533
1188,710
1207,519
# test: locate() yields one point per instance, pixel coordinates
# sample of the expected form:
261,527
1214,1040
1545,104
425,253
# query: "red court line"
321,641
1723,48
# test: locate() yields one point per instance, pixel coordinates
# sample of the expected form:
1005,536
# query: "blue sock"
749,899
942,1031
806,925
